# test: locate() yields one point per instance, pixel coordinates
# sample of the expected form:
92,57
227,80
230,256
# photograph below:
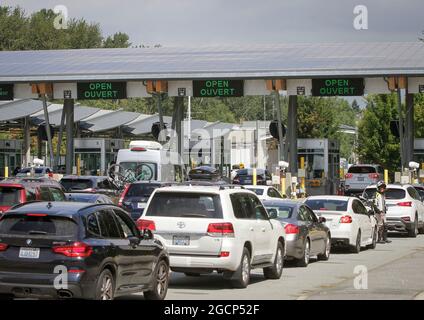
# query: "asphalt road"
394,271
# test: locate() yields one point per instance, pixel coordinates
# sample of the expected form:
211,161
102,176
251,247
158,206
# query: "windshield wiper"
37,232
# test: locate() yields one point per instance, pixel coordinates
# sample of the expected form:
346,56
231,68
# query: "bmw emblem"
29,242
181,225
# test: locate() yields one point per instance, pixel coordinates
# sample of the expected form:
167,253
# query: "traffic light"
273,129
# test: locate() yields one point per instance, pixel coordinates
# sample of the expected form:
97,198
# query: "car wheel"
374,239
357,247
413,232
160,282
276,270
326,254
304,261
105,287
241,277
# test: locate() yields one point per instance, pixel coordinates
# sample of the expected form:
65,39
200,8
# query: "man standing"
380,204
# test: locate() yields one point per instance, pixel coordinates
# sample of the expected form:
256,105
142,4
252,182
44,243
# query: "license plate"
361,179
29,253
248,181
181,240
141,205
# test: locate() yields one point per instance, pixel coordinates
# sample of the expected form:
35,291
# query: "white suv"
405,210
213,228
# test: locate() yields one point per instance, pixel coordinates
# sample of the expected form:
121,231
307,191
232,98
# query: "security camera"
283,164
414,165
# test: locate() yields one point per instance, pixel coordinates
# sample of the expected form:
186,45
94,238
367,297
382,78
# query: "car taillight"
146,224
224,254
373,175
348,175
3,246
346,219
121,198
291,229
224,229
404,204
406,219
74,250
50,175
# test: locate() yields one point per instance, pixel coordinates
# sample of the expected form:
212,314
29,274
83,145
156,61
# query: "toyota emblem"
181,225
29,242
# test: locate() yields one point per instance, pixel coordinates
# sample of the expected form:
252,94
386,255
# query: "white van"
157,163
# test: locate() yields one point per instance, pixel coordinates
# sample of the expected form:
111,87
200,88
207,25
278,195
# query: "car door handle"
251,229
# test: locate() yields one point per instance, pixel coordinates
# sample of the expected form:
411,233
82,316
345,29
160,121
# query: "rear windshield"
49,226
362,169
141,190
249,172
390,194
77,184
9,196
185,205
283,212
36,170
258,192
327,205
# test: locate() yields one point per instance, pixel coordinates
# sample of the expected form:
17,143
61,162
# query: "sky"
215,22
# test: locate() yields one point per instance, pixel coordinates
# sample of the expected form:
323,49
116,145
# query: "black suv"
98,247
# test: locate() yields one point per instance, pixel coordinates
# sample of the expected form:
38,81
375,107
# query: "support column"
49,134
162,137
279,125
68,108
59,140
401,132
292,134
27,143
409,128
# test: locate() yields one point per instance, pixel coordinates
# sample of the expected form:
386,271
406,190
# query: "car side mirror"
322,220
273,214
134,241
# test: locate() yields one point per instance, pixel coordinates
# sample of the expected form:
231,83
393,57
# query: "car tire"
304,261
276,270
6,297
413,232
160,282
326,254
373,245
105,287
191,274
241,278
357,247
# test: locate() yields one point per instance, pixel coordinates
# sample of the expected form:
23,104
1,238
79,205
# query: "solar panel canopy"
254,61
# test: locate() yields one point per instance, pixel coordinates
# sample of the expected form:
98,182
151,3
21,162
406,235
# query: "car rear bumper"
33,285
397,224
206,263
294,246
343,242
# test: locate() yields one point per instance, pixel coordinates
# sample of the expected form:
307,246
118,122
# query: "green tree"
419,115
118,40
376,142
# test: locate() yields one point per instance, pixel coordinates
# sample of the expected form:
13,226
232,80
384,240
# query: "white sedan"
265,192
350,224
